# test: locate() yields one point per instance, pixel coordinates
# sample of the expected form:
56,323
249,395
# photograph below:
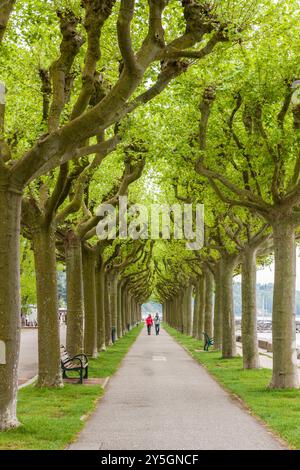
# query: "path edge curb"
29,382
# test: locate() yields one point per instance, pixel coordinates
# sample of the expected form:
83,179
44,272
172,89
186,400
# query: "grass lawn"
51,418
280,409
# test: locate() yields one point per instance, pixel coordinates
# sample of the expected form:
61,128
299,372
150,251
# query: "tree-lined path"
162,399
120,120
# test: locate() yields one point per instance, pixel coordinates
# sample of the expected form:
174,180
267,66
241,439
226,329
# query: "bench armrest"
83,358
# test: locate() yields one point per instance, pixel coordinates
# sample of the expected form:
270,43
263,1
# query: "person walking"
157,324
149,323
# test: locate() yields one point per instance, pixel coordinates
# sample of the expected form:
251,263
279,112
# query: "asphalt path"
162,399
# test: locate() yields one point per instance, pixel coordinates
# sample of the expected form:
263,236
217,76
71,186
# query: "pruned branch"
46,91
52,202
59,146
126,13
132,173
285,107
236,202
103,148
77,199
96,14
205,110
5,151
200,54
244,193
60,69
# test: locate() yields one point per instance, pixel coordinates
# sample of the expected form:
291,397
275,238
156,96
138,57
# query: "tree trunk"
249,315
90,309
180,310
285,371
209,292
129,313
75,315
132,311
201,307
189,309
173,317
10,308
196,312
228,323
113,279
43,238
124,307
107,312
185,311
119,310
218,308
100,286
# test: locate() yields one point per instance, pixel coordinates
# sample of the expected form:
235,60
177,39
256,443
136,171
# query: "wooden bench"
78,363
208,341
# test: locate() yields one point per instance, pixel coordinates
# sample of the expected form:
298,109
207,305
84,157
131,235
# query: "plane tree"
263,176
67,139
79,240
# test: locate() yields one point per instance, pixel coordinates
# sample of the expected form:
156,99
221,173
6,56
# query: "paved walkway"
162,399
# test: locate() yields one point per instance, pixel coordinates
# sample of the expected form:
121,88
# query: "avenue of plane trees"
171,101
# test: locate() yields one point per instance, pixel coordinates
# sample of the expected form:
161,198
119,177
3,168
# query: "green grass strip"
51,418
108,363
280,409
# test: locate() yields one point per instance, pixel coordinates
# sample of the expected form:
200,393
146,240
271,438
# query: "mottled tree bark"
184,307
100,296
132,311
124,307
201,307
107,313
209,292
177,313
249,314
196,311
90,309
188,301
173,312
49,373
180,310
228,331
129,312
285,370
218,308
112,280
75,314
119,310
10,308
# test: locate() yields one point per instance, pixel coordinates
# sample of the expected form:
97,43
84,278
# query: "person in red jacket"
149,323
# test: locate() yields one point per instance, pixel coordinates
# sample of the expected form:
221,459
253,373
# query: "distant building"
30,319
